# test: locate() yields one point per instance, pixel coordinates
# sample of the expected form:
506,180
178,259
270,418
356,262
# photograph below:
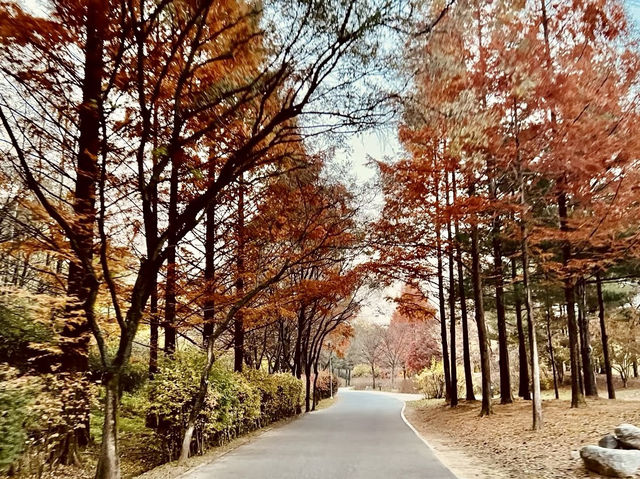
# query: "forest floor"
504,446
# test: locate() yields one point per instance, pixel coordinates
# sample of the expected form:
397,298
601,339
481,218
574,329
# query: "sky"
361,148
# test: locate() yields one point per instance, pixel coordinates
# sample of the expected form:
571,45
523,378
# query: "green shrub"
13,435
363,370
31,425
281,394
134,376
431,380
235,403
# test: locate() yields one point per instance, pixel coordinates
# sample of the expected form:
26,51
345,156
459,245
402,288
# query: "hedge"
323,385
236,403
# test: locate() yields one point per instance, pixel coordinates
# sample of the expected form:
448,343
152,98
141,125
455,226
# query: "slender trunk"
200,398
551,355
483,340
452,302
590,387
297,357
153,330
531,322
315,386
441,301
170,288
209,272
238,335
605,338
466,353
503,348
109,462
373,375
523,383
151,233
476,273
307,382
577,398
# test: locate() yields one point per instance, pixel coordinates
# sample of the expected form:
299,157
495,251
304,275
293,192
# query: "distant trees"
370,347
518,132
409,343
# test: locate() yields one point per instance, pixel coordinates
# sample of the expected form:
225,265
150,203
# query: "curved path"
362,436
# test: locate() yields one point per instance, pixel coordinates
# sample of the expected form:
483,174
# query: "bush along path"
236,403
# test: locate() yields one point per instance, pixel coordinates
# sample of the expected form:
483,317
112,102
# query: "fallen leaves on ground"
504,443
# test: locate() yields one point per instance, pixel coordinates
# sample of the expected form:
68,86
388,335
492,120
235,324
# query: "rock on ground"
611,462
609,441
629,435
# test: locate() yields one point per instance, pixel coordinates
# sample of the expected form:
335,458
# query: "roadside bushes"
363,370
322,385
235,404
32,430
431,380
281,395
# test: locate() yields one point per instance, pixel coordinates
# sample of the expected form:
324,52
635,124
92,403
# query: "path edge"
424,441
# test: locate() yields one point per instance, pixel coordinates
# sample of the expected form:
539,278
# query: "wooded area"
183,251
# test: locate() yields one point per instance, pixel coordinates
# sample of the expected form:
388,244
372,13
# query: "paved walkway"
362,436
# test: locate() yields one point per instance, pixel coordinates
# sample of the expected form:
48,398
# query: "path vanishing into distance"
361,436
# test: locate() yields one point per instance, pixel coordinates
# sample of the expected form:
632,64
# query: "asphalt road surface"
362,436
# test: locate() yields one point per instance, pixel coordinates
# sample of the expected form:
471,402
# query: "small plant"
431,380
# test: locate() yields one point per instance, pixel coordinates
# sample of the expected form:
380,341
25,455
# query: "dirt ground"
504,446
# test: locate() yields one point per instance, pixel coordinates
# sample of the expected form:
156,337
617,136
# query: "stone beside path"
615,455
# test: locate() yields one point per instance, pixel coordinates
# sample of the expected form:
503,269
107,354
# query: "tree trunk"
577,399
151,235
373,375
315,386
200,398
605,338
590,387
531,321
297,355
441,301
209,272
74,359
506,396
523,383
153,330
452,302
551,355
307,380
109,462
170,288
483,340
238,335
466,353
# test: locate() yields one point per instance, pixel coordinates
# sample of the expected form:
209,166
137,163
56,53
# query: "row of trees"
164,181
520,183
